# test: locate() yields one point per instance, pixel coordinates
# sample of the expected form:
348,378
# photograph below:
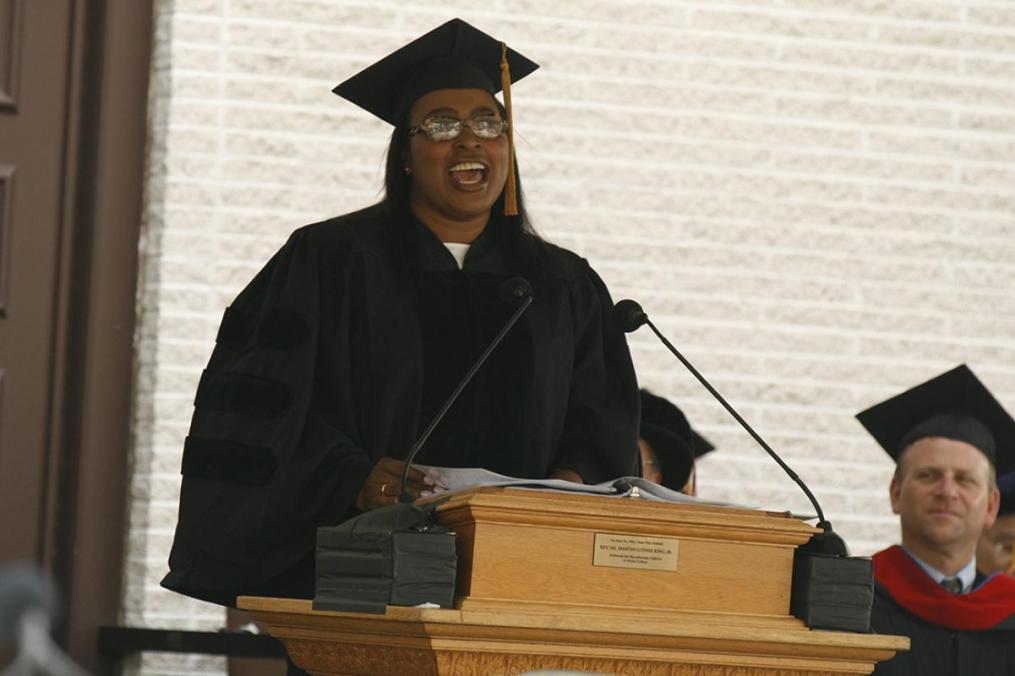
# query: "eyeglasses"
445,128
1004,547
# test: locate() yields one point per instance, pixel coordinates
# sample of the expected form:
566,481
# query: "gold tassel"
510,196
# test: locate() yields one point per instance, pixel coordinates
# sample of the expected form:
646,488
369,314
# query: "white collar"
458,250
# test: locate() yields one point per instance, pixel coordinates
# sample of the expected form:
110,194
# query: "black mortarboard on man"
954,405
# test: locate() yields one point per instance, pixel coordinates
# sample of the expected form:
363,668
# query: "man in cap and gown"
948,437
669,445
329,364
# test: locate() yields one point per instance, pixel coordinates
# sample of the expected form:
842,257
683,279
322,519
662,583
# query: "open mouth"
468,173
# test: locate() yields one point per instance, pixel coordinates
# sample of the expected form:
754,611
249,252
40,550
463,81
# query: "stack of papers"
448,479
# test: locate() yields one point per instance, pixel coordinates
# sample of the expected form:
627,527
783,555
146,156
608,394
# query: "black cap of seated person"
455,55
1006,485
954,405
675,444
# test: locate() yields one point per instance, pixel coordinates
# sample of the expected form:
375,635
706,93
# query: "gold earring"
407,170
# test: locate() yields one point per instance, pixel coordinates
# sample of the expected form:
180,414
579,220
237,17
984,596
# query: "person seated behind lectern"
948,437
995,551
344,346
669,446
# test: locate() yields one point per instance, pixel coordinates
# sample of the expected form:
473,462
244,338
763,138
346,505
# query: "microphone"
422,554
28,602
628,316
515,290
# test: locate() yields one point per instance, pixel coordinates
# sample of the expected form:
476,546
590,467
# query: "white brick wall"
814,199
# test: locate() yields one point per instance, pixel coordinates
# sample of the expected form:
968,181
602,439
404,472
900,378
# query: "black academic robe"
339,352
951,634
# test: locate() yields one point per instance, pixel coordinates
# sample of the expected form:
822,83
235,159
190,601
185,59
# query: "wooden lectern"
556,581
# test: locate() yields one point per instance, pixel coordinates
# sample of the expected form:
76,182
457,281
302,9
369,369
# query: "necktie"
952,585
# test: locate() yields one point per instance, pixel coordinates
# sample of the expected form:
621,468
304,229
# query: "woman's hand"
382,485
567,475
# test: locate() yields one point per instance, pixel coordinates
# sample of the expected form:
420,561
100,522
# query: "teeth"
467,166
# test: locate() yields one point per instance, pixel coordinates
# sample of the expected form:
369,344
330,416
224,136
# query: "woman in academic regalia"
332,360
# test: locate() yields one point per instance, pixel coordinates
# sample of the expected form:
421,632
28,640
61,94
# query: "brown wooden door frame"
33,110
90,446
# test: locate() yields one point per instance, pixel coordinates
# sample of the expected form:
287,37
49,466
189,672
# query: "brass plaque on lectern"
635,551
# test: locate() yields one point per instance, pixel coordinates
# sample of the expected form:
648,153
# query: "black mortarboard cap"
675,444
1006,485
699,444
954,405
455,55
662,412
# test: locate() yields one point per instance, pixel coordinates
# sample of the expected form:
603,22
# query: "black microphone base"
832,592
389,556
